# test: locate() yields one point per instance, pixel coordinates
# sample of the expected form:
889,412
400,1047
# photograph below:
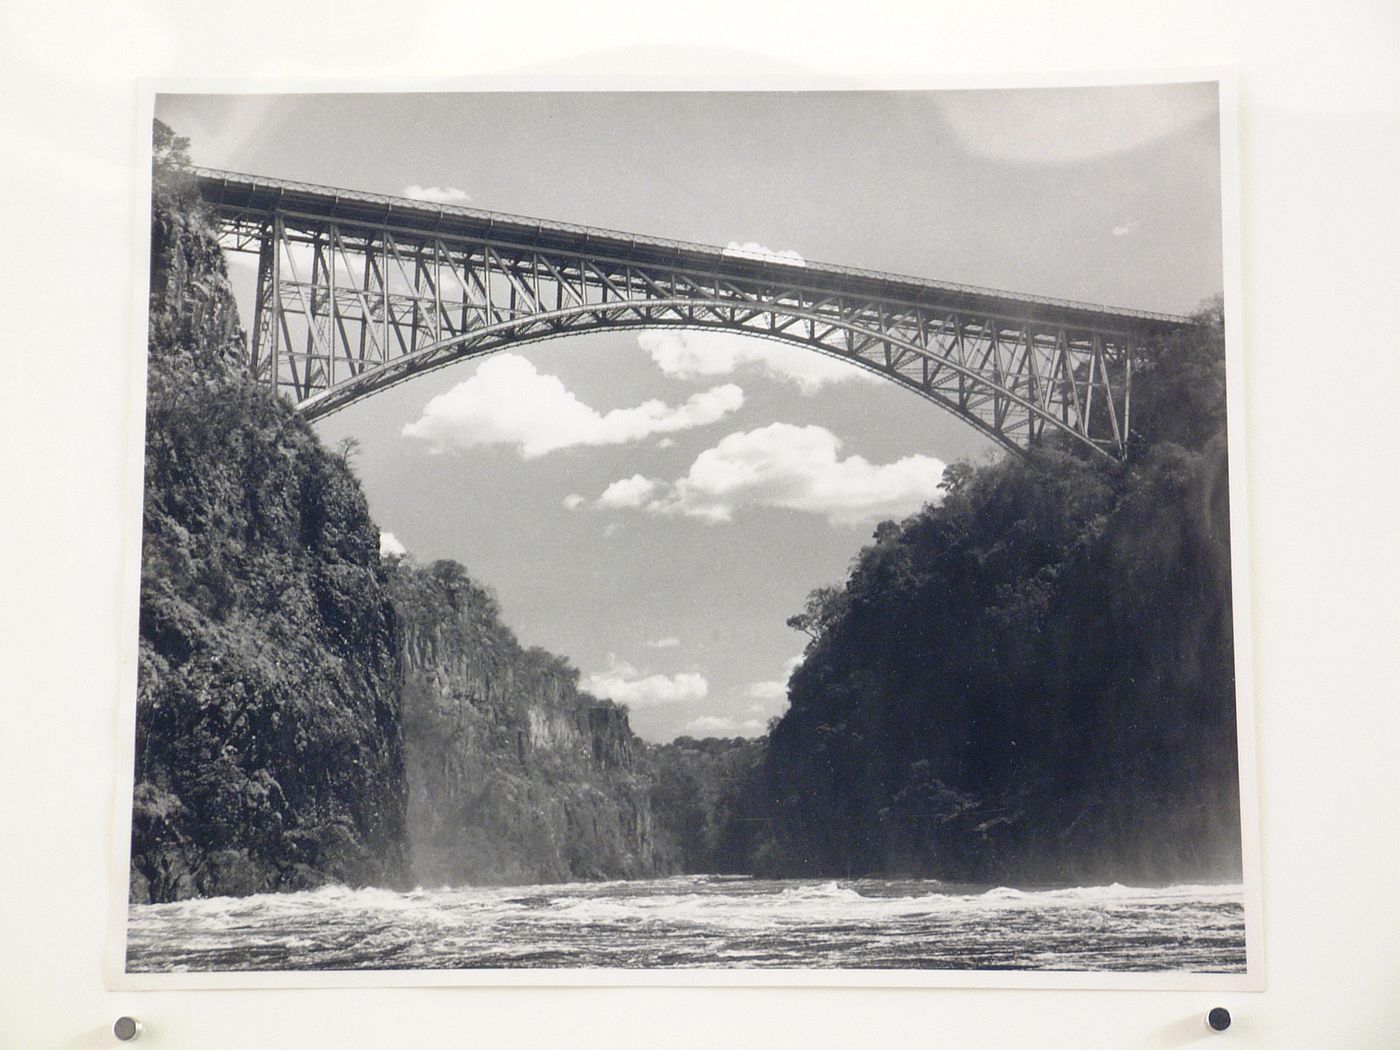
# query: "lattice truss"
346,308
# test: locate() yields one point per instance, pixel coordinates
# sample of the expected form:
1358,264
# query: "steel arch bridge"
357,292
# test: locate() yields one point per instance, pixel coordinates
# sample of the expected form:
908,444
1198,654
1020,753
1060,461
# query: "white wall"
1320,130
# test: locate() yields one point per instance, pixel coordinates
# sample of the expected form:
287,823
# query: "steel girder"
349,305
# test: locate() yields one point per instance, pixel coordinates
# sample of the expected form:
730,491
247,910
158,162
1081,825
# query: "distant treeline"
709,802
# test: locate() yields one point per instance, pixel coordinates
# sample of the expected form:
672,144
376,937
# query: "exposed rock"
514,775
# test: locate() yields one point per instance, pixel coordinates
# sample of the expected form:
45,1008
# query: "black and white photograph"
747,536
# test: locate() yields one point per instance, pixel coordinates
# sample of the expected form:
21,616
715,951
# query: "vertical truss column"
264,308
278,318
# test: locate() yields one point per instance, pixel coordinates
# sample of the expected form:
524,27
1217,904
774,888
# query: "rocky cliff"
268,745
514,775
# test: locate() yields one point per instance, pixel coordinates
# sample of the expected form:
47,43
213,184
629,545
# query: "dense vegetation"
268,751
1032,680
514,774
708,802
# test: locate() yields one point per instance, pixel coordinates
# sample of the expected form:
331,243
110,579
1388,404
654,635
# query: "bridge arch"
358,292
971,389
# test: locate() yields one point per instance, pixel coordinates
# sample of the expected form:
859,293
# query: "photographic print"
744,536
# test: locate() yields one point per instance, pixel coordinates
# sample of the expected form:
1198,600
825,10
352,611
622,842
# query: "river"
700,921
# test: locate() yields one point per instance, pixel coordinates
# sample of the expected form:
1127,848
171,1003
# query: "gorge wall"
268,746
513,774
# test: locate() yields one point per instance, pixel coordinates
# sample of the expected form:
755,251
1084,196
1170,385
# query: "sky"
655,505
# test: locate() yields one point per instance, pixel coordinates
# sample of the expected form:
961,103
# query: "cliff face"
268,745
513,774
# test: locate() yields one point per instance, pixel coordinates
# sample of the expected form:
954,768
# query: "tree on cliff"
822,608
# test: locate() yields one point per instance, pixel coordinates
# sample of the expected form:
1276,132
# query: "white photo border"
1252,980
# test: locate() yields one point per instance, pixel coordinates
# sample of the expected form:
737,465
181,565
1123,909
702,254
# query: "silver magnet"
127,1028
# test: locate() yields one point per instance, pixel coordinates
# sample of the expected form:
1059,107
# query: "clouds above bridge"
693,355
788,467
437,194
507,402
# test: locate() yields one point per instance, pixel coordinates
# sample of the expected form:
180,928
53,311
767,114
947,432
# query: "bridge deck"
233,193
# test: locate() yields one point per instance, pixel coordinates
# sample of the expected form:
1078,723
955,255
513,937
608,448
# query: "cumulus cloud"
754,250
1126,228
437,194
789,467
389,544
507,402
573,501
635,491
717,725
766,691
771,696
664,643
694,355
625,684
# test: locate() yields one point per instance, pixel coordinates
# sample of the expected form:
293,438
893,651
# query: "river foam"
701,921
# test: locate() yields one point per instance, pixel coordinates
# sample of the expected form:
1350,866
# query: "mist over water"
701,921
